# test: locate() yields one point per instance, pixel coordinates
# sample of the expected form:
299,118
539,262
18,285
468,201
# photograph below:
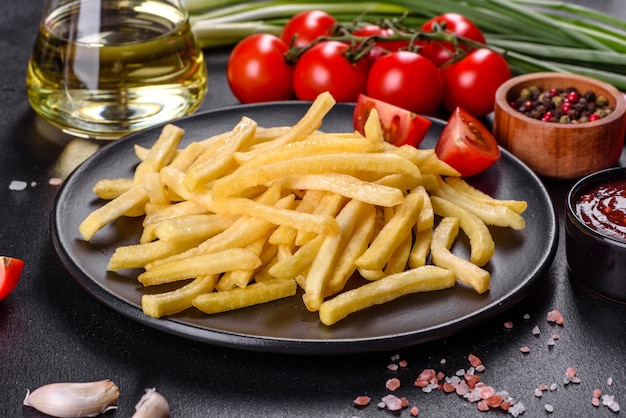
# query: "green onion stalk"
534,35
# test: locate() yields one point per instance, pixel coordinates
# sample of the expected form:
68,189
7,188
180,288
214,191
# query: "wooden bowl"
558,150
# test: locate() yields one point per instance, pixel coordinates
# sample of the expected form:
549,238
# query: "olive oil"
105,68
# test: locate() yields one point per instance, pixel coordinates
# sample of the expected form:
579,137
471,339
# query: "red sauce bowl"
597,257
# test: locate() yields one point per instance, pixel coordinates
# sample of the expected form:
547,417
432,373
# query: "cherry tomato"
257,70
466,144
441,52
371,29
400,126
471,82
307,26
407,80
325,68
10,272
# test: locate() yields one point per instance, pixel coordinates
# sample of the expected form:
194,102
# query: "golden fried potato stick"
329,205
286,234
219,161
490,214
421,279
482,246
313,145
300,261
346,185
156,214
321,268
326,225
421,248
195,226
393,233
308,123
315,164
139,255
161,153
357,244
200,265
254,294
109,189
425,159
466,272
154,189
136,197
169,303
241,277
461,186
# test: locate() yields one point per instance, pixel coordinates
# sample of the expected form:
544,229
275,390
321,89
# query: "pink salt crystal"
474,360
405,402
595,401
393,403
482,406
555,317
538,393
536,330
508,325
414,411
525,349
362,400
543,387
393,384
55,181
609,381
403,363
392,367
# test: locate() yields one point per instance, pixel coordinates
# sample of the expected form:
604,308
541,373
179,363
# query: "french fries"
257,214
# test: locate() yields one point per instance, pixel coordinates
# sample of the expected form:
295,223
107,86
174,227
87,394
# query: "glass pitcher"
105,68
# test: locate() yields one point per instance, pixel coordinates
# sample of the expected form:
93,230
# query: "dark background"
51,330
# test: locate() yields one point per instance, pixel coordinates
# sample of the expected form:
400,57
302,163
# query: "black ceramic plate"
286,326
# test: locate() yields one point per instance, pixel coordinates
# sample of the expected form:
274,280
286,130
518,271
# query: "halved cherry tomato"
307,26
10,272
466,144
400,126
441,52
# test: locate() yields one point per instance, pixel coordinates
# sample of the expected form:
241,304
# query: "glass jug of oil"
105,68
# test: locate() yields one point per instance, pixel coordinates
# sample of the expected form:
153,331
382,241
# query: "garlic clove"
74,400
152,405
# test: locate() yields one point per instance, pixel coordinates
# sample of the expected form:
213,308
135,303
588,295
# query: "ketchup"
603,209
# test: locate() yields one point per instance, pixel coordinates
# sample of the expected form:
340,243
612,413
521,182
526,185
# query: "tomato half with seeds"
466,144
399,126
10,272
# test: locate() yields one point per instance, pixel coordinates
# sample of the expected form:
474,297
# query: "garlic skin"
152,405
74,400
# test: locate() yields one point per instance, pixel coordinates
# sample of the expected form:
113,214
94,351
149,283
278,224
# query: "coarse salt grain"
414,411
17,185
525,349
554,316
403,363
508,325
526,316
538,393
55,181
474,360
536,330
549,408
392,402
392,384
362,400
609,381
393,367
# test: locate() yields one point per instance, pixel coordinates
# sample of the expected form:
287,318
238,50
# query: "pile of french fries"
254,214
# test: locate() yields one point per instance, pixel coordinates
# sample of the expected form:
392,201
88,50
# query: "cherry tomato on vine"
466,144
471,82
10,272
407,80
307,26
370,29
441,52
325,67
399,126
257,70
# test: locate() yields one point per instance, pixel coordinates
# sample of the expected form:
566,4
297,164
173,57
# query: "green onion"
535,35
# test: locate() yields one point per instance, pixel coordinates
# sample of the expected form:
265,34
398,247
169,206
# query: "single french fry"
320,271
393,233
463,187
160,213
139,255
482,246
354,247
154,189
219,160
308,123
315,164
346,185
161,153
300,261
421,248
194,226
466,272
490,214
96,220
169,303
201,265
426,219
109,189
421,279
400,257
254,294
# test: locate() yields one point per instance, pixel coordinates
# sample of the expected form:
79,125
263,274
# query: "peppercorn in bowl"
563,126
